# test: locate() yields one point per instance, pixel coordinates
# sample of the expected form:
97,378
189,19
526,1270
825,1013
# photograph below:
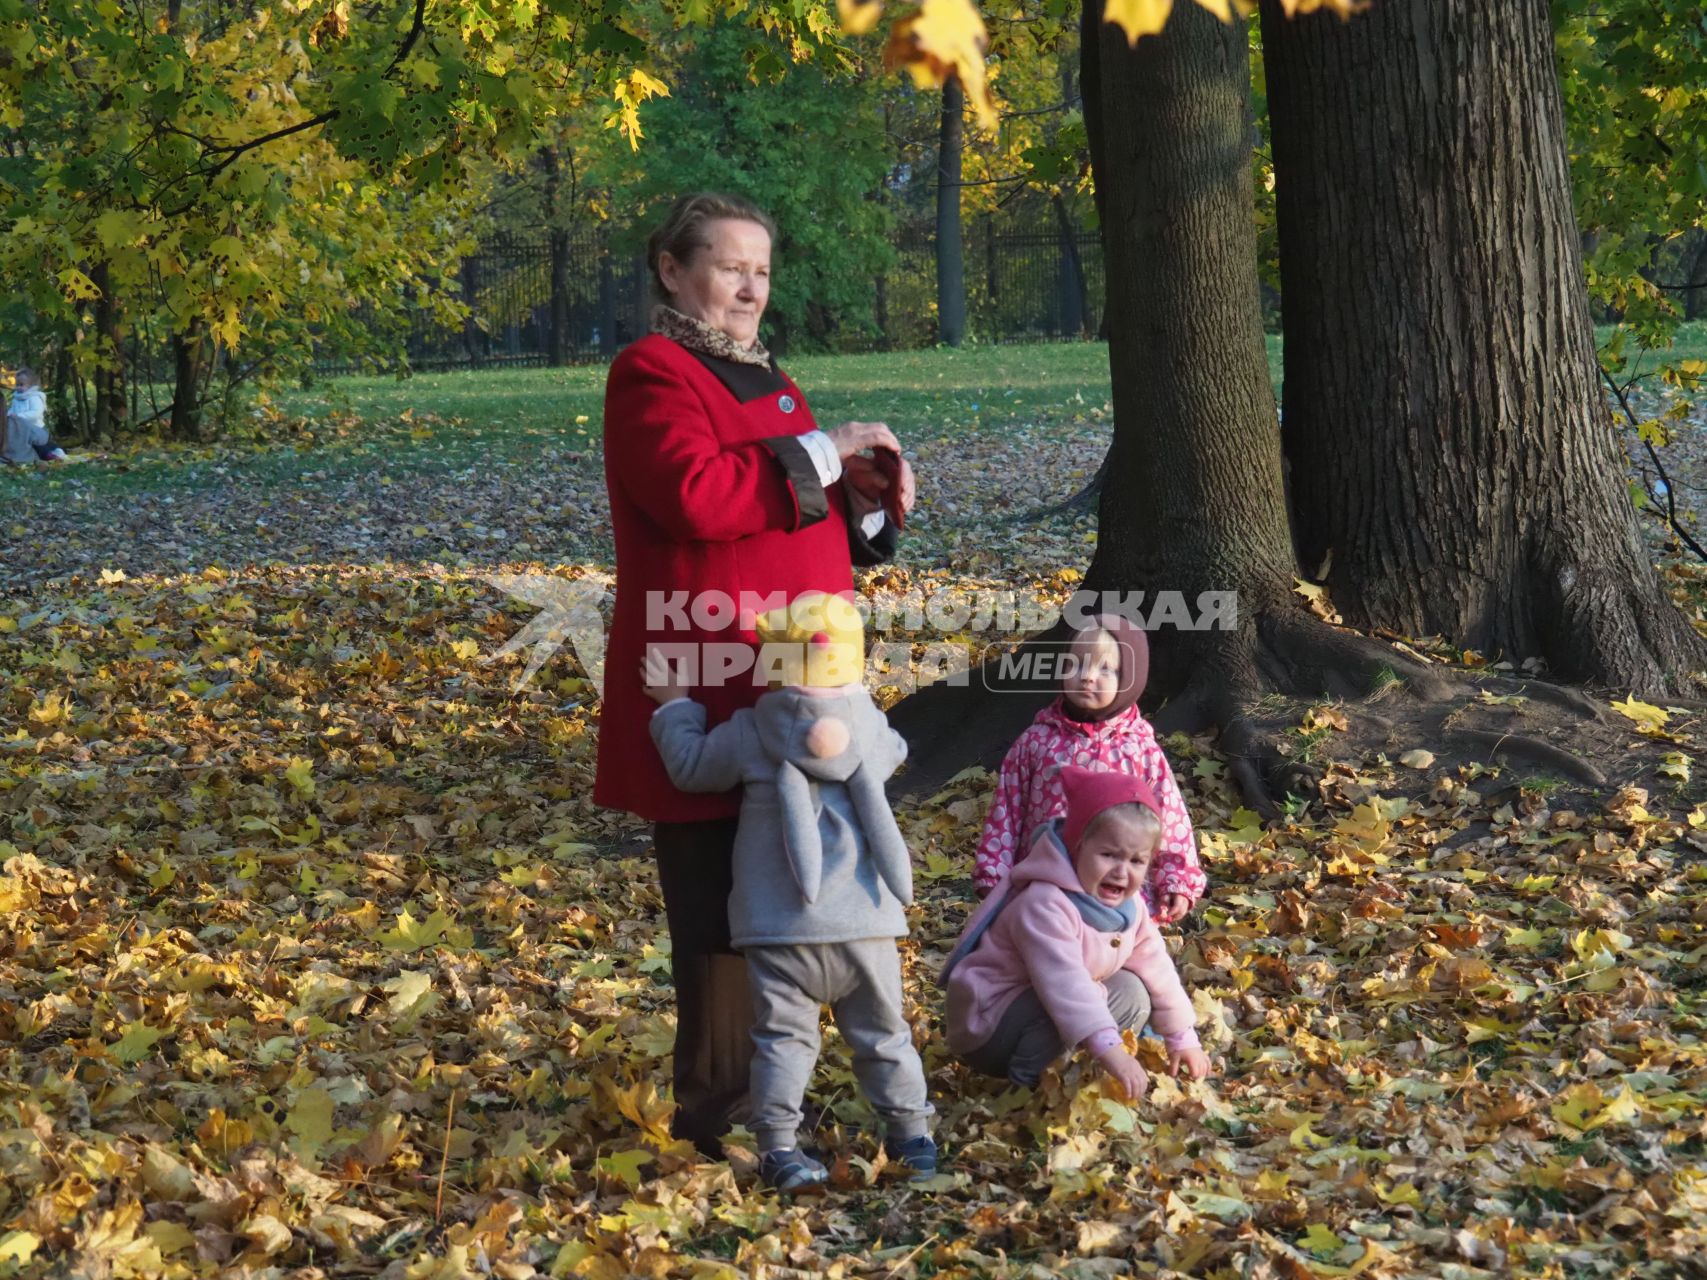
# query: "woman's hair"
1141,816
683,229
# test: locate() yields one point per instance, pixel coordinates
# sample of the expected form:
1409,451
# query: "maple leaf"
310,1119
19,1246
858,16
1648,718
1138,17
137,1042
945,38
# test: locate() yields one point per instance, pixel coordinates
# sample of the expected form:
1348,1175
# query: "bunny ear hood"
797,727
818,739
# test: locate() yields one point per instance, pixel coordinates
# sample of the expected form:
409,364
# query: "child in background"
822,875
1095,723
27,439
1062,954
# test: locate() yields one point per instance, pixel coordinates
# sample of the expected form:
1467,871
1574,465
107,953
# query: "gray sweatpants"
861,982
1025,1041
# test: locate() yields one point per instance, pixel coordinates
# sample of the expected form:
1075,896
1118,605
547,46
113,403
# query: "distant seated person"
27,439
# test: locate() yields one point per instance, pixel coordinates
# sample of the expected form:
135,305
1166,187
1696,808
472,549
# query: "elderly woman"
724,493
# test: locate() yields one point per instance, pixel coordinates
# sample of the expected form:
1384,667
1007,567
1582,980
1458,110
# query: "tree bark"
1193,497
950,246
557,238
1074,294
1695,296
1449,446
185,422
109,347
1192,500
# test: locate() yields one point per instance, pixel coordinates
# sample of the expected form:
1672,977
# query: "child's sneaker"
791,1169
918,1154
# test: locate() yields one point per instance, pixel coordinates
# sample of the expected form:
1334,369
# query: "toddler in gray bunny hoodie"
822,875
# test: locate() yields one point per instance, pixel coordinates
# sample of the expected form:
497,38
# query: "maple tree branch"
232,151
1041,111
416,28
1621,394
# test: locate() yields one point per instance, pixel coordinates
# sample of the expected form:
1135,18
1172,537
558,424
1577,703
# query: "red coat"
708,492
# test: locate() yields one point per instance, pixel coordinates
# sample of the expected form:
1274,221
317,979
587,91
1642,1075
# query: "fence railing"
574,299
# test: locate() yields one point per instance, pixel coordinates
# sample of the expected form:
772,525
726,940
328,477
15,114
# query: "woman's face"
727,283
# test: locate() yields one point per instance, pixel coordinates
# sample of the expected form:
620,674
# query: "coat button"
786,404
1114,942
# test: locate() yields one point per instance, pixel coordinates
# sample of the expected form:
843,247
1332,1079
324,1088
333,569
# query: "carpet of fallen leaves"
317,961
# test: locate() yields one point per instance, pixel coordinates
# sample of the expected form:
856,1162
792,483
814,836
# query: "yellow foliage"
946,38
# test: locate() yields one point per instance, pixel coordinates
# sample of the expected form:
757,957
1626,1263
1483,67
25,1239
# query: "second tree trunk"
1452,462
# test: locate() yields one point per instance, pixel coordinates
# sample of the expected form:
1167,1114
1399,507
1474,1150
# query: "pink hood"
1040,941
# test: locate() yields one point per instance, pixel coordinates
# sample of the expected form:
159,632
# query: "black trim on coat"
746,382
878,549
809,497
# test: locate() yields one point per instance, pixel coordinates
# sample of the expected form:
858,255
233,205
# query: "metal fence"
575,299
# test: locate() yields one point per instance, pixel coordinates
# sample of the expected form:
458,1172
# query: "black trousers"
714,1006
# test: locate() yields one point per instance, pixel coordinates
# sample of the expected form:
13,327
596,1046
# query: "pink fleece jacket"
1041,942
1027,793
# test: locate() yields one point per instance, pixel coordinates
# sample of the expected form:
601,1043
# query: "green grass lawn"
449,421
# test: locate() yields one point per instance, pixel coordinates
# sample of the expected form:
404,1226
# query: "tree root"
1325,658
1224,688
1081,503
1513,747
1560,696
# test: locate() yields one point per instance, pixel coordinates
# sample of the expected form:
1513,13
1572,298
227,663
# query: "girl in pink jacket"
1063,953
1095,724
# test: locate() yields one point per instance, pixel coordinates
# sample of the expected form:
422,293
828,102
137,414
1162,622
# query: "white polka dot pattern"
1028,792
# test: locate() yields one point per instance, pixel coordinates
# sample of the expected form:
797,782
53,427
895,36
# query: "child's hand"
1195,1062
1173,906
1123,1067
658,677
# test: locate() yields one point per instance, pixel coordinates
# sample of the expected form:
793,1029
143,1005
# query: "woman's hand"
659,679
855,437
1123,1068
867,479
1195,1062
1173,906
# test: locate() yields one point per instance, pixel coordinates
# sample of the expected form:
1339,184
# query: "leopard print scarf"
698,336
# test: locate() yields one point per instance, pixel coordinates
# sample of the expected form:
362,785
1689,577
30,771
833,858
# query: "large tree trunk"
1193,500
950,247
1449,445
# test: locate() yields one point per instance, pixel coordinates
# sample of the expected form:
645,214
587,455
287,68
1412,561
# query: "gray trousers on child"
1025,1041
861,982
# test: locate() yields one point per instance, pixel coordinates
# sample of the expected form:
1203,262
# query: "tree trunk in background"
950,248
475,340
185,422
1448,442
109,375
607,304
1075,296
1695,297
558,239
